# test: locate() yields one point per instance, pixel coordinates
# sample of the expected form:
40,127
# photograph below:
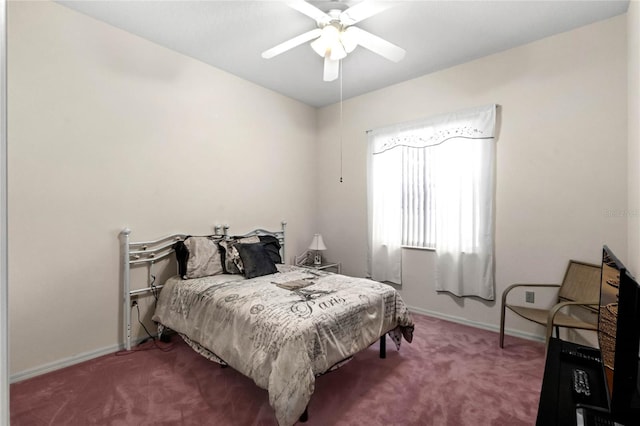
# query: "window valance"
472,123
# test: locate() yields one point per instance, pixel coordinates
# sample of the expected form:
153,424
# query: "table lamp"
317,245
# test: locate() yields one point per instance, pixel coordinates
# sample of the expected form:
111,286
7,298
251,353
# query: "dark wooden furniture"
558,402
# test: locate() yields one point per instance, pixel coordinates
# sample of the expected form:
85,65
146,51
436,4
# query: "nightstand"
333,266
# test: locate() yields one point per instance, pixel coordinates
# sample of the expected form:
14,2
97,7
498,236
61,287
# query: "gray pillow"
203,257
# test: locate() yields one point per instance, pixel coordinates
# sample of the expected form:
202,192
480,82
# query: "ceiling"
231,35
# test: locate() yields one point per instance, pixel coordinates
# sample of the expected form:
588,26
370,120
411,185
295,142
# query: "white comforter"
283,338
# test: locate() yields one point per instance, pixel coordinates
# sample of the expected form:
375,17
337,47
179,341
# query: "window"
430,184
418,201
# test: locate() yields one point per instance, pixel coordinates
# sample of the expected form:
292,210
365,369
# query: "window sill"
418,248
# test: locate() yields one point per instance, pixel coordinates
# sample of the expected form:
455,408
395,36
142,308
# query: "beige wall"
108,130
560,161
633,75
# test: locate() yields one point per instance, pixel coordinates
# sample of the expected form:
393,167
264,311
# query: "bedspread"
283,338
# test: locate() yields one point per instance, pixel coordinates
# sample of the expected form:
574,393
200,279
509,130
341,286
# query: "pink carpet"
450,375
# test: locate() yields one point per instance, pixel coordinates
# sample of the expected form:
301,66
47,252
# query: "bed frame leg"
305,416
383,346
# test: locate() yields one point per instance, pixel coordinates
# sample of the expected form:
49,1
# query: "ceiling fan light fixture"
337,52
330,44
331,33
319,46
348,40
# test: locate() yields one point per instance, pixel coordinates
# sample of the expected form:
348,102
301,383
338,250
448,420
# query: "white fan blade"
377,45
290,44
363,10
309,10
331,69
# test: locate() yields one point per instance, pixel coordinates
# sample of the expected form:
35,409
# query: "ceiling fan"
335,35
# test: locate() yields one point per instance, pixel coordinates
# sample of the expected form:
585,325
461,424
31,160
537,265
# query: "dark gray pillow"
272,245
232,263
255,260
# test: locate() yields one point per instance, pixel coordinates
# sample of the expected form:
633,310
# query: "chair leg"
502,326
549,334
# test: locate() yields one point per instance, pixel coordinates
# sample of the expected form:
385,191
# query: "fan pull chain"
341,71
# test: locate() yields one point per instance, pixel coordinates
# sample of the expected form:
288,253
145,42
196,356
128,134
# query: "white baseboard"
476,324
86,356
69,361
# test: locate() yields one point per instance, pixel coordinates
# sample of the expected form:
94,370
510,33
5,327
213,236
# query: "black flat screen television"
619,338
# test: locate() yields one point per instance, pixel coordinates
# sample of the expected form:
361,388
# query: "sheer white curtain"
456,201
464,217
384,183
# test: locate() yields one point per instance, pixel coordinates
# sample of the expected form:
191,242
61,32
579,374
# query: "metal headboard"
135,254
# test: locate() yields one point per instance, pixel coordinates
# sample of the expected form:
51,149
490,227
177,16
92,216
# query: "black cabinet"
558,401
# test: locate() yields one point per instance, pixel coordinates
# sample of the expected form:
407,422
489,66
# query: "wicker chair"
580,286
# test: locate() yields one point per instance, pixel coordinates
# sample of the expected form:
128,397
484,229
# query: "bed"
283,326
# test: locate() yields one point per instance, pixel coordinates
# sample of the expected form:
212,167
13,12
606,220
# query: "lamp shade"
330,43
348,40
317,243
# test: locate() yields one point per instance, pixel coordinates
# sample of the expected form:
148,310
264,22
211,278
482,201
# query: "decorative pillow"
182,254
256,260
272,245
198,257
232,261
